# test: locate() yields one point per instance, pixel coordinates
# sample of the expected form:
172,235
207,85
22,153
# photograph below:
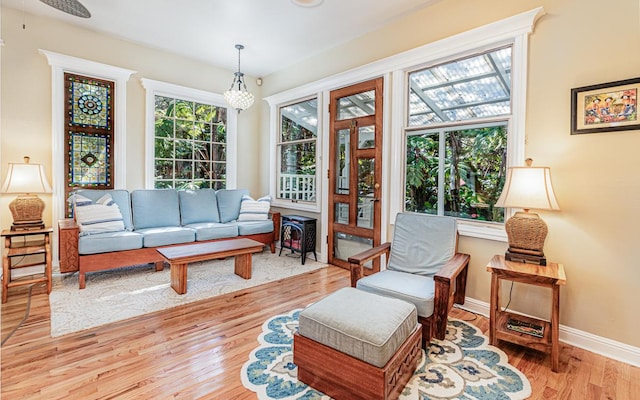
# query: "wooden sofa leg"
159,265
272,246
81,280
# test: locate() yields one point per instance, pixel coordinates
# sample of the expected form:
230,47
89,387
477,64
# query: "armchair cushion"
414,238
415,289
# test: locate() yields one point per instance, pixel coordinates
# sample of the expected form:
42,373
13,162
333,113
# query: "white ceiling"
276,33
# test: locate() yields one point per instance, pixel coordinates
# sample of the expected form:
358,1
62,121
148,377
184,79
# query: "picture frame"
605,107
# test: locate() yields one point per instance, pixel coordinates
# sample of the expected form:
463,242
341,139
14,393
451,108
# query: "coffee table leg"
179,278
243,265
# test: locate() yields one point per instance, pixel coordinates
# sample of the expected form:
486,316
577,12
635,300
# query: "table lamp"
527,188
27,180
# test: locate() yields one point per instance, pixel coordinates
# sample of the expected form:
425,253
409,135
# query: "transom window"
296,149
465,89
456,142
190,144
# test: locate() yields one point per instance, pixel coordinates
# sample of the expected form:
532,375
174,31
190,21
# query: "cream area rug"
118,294
463,366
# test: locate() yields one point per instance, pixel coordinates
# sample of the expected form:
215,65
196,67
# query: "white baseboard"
584,340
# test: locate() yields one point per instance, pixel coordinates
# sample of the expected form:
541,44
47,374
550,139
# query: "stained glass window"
89,100
89,135
89,154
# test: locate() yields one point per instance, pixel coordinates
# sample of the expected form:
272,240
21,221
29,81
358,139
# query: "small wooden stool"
358,345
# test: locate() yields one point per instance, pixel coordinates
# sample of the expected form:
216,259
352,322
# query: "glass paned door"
355,174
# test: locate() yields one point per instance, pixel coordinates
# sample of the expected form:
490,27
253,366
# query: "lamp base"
514,255
526,233
31,226
27,212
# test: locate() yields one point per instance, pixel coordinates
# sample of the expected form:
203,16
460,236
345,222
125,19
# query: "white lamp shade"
26,178
528,188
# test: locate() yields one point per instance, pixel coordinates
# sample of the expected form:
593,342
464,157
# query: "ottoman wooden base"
344,377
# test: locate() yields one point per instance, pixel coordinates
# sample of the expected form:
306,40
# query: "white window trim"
61,63
156,88
514,30
274,143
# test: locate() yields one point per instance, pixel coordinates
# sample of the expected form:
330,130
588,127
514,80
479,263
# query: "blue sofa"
157,218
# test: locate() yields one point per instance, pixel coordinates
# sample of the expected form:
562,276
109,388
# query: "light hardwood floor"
197,350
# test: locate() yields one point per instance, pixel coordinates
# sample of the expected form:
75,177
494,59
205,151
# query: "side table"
551,276
25,244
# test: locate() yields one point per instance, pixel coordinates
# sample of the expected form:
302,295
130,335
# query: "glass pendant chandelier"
238,96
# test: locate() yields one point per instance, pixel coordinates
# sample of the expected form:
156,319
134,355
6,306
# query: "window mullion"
441,172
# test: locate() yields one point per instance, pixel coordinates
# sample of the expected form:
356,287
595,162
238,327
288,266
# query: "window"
190,138
456,141
190,144
487,67
296,151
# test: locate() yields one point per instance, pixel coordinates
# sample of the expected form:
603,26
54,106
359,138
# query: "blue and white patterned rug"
462,366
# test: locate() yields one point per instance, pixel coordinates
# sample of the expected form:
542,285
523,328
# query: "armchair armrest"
356,262
447,294
275,217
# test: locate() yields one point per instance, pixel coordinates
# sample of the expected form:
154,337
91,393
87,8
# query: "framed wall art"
605,107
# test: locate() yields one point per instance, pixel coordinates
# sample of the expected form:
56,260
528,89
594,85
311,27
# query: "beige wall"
578,43
26,94
595,235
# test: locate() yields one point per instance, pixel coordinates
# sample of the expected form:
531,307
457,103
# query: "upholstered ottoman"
357,345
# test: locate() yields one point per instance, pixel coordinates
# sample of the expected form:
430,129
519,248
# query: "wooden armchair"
423,268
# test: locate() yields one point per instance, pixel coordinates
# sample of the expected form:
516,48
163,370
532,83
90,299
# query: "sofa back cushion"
229,201
198,206
119,196
155,208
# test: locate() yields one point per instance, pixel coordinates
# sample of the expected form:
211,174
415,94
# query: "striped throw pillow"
102,217
254,210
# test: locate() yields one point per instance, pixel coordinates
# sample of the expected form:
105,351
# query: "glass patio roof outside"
473,87
478,86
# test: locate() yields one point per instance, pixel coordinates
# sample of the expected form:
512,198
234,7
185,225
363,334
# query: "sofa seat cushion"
363,325
212,230
164,236
254,227
416,289
108,242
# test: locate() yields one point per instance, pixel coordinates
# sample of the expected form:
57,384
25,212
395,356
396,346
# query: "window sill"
293,205
482,230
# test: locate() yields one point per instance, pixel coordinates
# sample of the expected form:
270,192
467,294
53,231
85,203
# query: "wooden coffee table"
179,256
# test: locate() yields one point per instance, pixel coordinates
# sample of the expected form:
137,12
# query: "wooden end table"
20,245
551,276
